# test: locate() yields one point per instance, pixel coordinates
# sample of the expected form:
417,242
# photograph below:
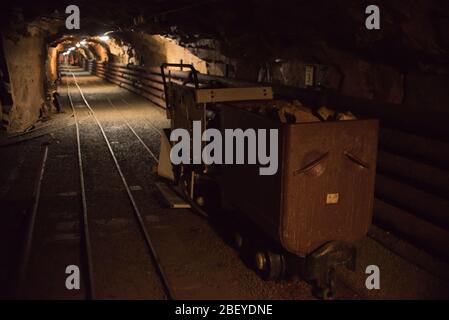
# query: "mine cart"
306,216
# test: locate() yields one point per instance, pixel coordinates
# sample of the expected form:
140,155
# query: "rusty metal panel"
323,190
327,183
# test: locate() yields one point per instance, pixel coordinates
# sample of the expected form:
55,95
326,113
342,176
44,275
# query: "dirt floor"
196,260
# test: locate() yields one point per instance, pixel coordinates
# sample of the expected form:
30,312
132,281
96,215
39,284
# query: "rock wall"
51,64
153,50
406,61
25,59
345,73
121,52
101,52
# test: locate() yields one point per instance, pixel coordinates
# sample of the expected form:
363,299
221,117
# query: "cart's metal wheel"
323,293
200,201
326,291
261,261
184,183
269,265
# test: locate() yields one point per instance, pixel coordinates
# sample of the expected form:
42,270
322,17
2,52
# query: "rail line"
133,131
31,224
85,223
146,120
153,252
23,267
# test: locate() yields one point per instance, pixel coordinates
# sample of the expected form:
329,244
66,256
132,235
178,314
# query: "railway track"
88,257
156,129
87,215
26,251
137,213
133,131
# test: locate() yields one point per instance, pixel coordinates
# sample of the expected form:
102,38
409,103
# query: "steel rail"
138,215
31,223
144,118
133,131
85,221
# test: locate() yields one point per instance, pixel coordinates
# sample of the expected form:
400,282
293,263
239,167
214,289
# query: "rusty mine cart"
305,218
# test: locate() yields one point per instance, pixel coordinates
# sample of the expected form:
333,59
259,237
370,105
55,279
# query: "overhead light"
83,42
103,38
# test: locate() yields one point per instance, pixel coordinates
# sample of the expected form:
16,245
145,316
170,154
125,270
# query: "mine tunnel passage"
85,115
131,126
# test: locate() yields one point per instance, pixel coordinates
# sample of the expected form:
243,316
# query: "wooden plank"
425,205
414,172
171,197
420,232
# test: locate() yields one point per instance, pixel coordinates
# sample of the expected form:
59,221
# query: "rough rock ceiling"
412,34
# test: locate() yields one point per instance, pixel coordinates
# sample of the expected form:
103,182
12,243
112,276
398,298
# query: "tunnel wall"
153,50
101,52
122,52
51,64
25,59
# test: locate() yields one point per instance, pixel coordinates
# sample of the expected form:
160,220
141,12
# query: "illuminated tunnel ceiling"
269,27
